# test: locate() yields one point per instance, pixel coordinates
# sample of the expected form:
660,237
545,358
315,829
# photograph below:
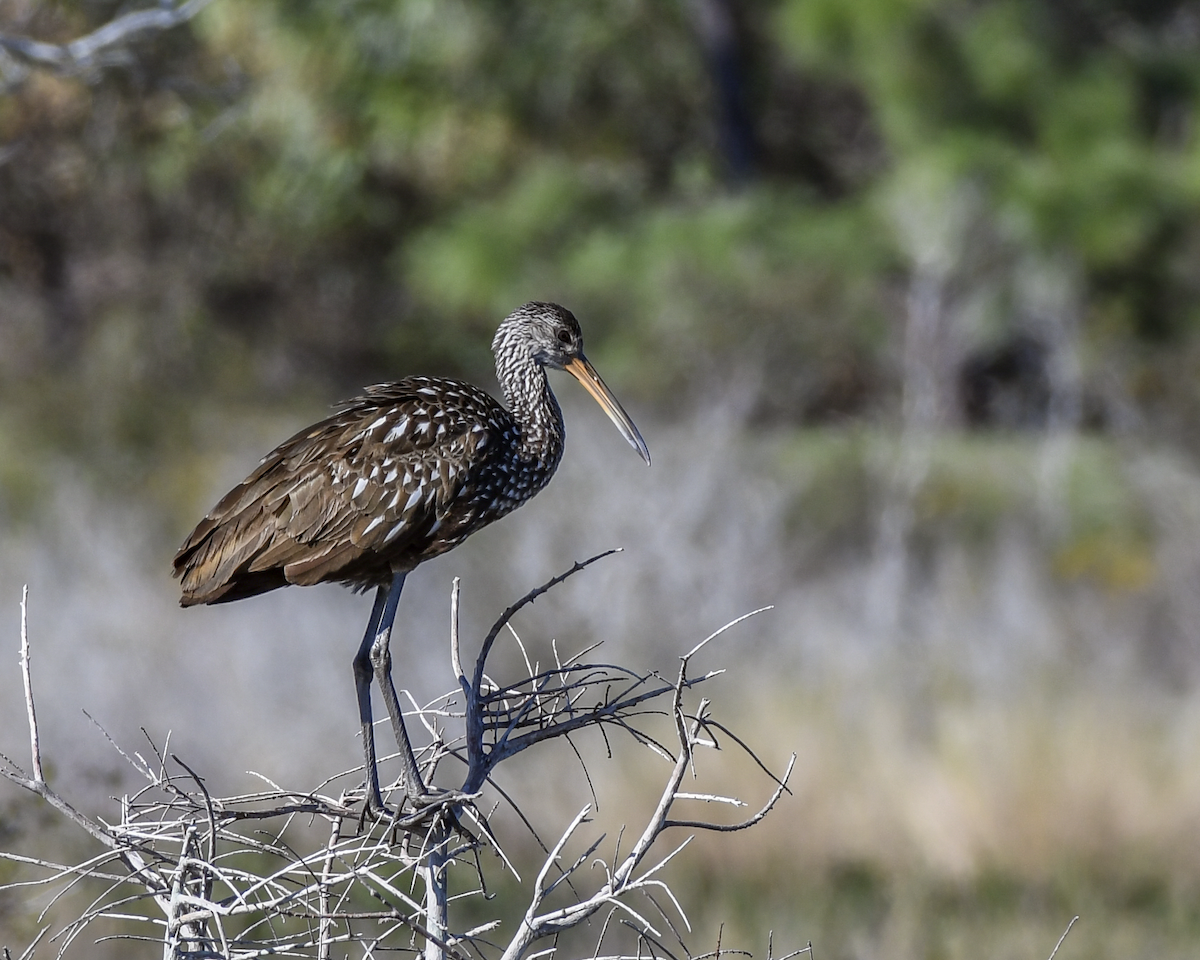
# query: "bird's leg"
362,685
381,660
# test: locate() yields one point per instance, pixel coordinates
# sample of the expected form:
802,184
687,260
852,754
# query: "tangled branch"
281,872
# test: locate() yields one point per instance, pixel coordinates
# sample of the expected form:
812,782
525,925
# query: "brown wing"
352,498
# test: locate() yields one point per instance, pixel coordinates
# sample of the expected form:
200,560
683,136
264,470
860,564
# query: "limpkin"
399,475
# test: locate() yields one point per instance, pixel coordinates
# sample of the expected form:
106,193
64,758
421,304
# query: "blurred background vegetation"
904,290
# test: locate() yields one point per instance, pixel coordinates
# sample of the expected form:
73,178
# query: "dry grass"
1023,746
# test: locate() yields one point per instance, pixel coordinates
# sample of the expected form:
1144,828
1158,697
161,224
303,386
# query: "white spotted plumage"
398,475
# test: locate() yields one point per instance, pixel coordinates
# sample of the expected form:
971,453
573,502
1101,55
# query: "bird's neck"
535,410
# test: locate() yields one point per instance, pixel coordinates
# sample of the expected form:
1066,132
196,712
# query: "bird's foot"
418,810
412,805
374,810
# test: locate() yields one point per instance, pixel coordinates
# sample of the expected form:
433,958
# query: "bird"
396,476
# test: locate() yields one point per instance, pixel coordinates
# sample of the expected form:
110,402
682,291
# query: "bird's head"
549,335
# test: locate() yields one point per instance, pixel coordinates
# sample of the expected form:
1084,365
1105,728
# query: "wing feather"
350,498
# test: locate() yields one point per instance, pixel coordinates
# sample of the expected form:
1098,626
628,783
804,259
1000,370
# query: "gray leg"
362,686
381,660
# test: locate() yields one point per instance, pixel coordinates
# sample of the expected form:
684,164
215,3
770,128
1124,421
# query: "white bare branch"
35,749
1054,952
103,46
243,876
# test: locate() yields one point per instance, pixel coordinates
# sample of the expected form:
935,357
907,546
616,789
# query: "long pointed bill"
586,374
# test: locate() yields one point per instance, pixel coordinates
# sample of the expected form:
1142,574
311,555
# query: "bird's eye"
564,336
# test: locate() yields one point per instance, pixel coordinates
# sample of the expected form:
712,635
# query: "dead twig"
1054,952
247,876
102,47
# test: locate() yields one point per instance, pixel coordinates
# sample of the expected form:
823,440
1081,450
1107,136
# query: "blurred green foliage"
291,197
288,198
972,492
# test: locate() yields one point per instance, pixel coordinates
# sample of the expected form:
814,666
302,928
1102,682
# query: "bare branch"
100,47
244,876
455,646
524,602
38,939
34,749
716,633
745,824
1054,952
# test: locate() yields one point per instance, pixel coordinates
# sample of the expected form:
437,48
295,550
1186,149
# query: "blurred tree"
289,196
1073,122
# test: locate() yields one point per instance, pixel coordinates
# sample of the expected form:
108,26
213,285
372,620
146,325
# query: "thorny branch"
135,859
248,876
625,879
